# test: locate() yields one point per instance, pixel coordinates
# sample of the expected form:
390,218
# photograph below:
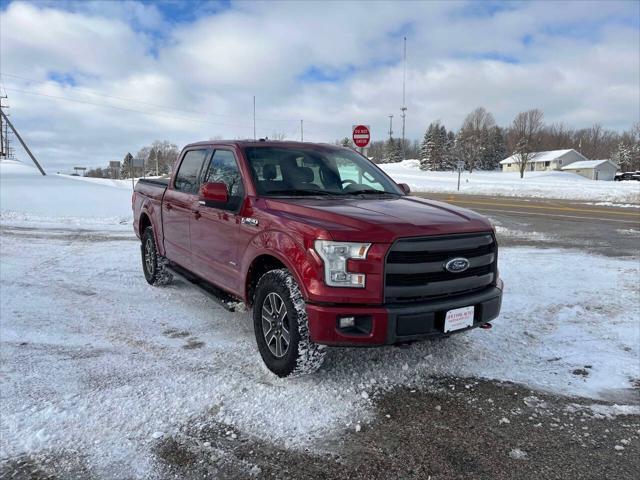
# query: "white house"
593,169
543,161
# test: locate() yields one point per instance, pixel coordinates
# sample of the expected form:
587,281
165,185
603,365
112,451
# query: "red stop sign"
361,135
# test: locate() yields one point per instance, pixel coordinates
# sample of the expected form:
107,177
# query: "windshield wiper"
366,191
298,191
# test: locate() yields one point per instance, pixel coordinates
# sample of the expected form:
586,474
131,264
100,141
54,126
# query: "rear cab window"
188,175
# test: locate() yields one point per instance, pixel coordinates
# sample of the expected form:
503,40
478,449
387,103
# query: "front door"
214,230
177,207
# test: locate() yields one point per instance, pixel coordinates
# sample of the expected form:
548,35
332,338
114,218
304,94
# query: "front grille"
423,278
425,256
415,266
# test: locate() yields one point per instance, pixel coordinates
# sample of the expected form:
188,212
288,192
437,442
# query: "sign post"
460,167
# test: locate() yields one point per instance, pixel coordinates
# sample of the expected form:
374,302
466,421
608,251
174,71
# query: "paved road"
612,231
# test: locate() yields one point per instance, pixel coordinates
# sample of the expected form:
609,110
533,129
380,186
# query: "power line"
142,102
155,114
58,97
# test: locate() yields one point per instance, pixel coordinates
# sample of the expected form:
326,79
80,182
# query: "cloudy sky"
89,81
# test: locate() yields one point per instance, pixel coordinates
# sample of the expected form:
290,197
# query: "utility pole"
24,145
4,147
157,166
403,109
302,130
390,127
254,117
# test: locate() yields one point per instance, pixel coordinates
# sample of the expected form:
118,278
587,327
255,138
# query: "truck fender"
284,249
153,214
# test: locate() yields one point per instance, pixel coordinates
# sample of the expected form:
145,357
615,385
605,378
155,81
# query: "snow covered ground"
94,360
558,185
25,195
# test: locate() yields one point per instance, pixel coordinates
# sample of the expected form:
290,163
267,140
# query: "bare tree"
160,157
278,136
556,136
479,119
473,138
525,132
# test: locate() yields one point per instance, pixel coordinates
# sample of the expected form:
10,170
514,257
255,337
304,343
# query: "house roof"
586,164
547,156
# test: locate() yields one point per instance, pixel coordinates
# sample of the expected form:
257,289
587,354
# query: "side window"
224,168
187,176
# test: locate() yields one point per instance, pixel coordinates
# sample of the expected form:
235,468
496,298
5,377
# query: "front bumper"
396,323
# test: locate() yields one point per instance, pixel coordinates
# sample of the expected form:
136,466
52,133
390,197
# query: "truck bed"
147,196
153,188
161,182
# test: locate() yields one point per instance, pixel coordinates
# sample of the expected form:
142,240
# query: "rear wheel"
153,265
281,326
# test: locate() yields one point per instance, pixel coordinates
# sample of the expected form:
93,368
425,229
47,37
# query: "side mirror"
405,188
214,194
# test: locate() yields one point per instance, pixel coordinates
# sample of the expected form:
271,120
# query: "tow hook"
486,326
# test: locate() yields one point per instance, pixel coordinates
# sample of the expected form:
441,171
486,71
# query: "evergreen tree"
394,150
627,156
347,142
496,149
450,156
424,147
126,168
435,152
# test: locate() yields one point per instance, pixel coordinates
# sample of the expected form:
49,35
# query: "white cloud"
579,63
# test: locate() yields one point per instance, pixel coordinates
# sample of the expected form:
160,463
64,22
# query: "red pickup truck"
321,243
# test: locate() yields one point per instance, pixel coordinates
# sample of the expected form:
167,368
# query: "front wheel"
153,265
281,326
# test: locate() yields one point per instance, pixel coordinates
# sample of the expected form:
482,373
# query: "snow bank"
25,195
558,185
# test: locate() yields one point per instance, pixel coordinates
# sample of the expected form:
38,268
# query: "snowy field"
97,366
555,185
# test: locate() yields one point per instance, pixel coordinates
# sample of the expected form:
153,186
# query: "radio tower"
403,109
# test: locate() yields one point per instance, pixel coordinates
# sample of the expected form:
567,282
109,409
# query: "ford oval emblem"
457,265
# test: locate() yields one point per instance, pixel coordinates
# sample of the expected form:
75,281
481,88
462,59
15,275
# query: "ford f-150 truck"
321,243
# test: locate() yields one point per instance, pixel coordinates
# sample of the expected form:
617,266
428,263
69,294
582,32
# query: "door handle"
196,214
169,206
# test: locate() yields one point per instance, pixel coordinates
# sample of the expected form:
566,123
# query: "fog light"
347,322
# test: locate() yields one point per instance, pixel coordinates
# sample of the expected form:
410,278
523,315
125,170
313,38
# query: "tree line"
480,144
151,160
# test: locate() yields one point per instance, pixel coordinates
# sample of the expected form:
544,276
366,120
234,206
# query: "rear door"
178,205
214,230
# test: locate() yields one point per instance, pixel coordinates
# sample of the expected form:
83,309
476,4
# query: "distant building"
593,169
114,169
543,161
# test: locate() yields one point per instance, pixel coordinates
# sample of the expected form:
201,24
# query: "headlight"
335,256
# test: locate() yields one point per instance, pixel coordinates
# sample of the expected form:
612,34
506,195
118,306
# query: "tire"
278,304
153,265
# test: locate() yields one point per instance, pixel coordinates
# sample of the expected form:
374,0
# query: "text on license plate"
458,318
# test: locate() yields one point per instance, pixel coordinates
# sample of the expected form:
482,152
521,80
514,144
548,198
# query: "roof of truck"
262,143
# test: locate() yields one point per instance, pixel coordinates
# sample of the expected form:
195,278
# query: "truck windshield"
316,171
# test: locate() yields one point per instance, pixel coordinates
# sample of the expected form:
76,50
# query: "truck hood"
380,219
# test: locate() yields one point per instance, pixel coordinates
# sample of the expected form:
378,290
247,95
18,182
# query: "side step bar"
224,299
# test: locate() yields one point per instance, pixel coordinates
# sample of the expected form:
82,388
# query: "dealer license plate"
458,319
